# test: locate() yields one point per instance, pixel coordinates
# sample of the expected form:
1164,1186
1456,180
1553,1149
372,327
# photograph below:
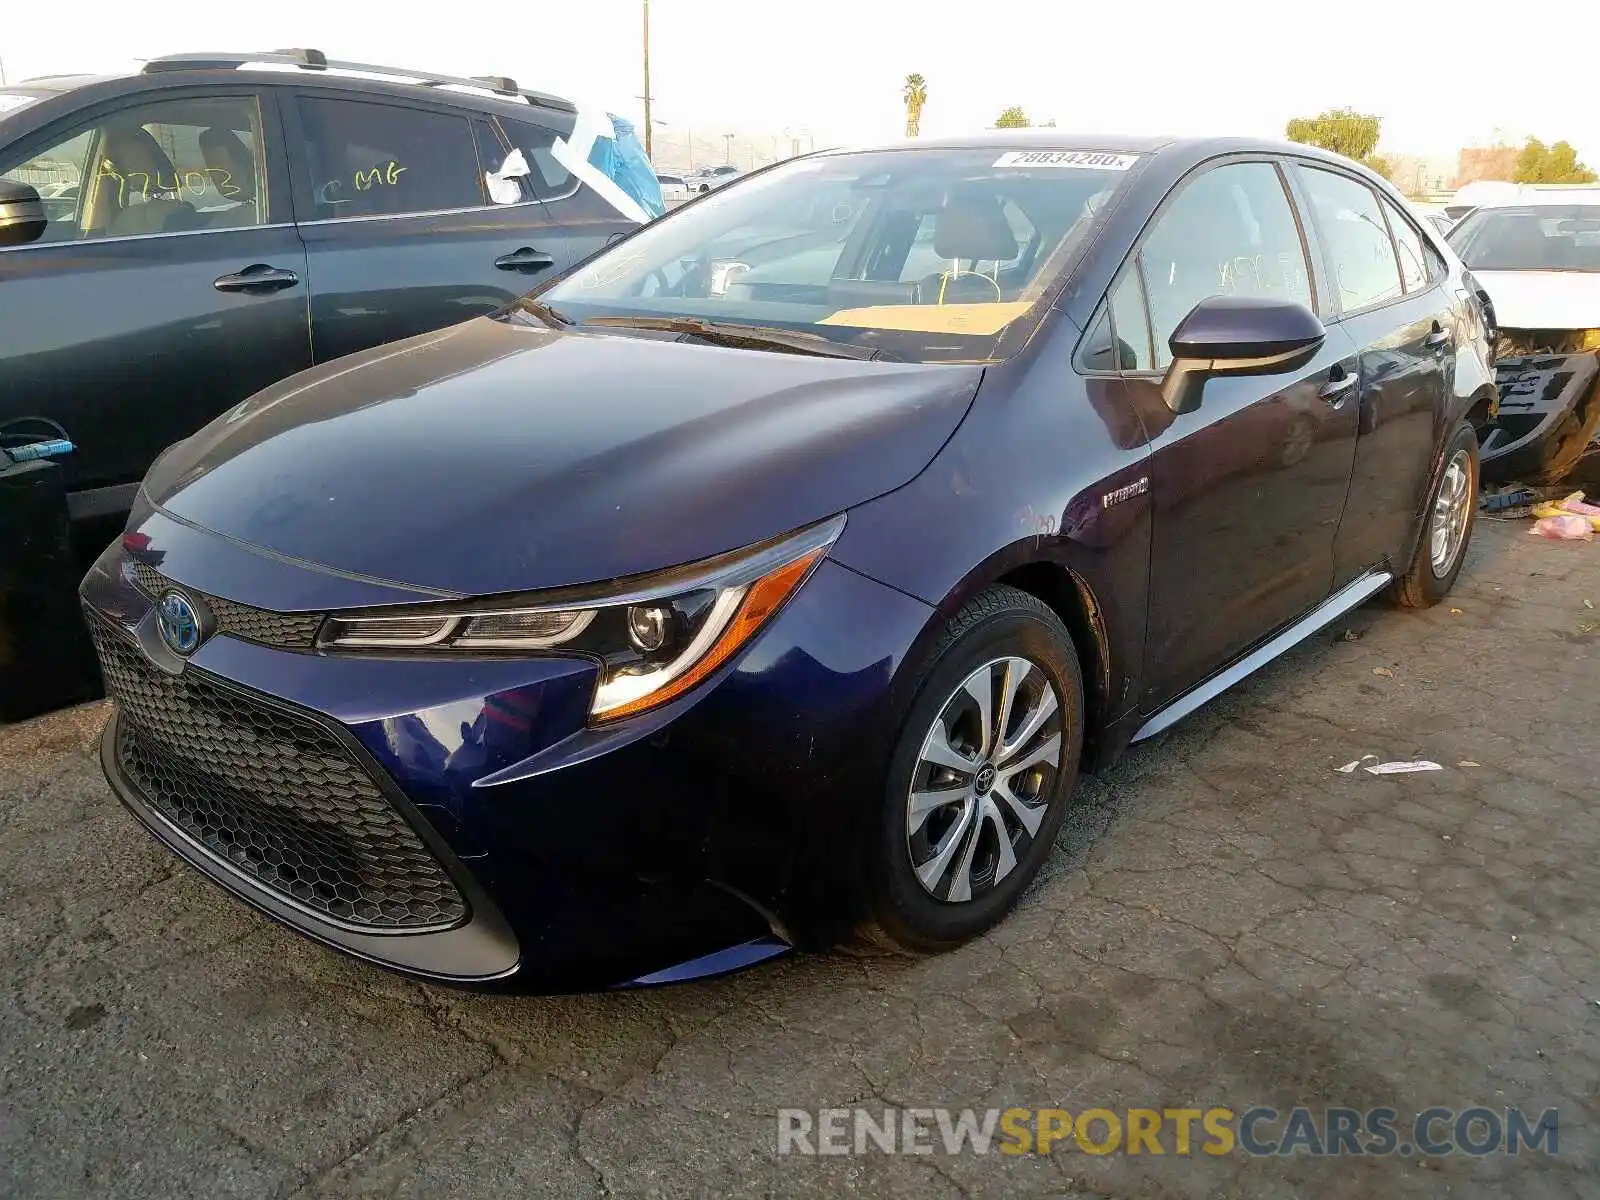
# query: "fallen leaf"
1467,762
1384,671
1588,603
1455,612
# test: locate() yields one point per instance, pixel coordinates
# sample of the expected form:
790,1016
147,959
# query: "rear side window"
1415,262
1230,232
363,159
1365,268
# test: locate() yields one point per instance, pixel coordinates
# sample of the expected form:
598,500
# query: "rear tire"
981,777
1447,526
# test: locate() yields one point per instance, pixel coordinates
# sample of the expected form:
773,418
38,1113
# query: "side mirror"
1237,335
22,218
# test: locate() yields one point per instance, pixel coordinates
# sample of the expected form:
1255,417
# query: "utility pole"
727,141
649,137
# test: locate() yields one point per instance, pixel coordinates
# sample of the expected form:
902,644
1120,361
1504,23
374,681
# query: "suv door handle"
525,258
257,277
1438,339
1334,390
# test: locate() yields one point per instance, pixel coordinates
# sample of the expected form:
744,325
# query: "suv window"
364,159
1230,232
168,167
1365,268
549,180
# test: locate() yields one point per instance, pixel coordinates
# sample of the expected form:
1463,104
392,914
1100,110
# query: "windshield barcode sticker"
1091,160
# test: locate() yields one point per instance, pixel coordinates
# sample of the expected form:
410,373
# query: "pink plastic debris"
1567,528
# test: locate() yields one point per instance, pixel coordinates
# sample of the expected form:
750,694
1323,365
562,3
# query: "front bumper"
690,839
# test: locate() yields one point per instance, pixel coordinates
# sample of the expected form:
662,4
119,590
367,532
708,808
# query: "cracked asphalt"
1228,921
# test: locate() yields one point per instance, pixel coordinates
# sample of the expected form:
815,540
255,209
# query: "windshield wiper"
747,337
541,311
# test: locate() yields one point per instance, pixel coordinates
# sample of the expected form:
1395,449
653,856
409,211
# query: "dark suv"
217,222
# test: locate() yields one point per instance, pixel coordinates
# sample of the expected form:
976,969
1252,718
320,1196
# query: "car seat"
147,202
975,229
232,165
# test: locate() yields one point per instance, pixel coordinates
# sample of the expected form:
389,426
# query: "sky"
835,68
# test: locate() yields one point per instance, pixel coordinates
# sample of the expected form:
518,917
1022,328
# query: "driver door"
1250,485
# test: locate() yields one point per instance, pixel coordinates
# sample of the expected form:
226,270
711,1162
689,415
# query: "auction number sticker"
1091,160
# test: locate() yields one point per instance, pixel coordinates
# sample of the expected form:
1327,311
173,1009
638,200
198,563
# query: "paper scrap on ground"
1390,768
1402,768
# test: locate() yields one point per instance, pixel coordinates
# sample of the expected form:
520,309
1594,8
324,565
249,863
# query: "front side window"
171,167
927,255
1230,232
1532,237
1365,267
364,159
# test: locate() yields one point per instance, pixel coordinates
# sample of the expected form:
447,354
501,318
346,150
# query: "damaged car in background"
1536,256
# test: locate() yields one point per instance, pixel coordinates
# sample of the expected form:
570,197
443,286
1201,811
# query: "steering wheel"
948,287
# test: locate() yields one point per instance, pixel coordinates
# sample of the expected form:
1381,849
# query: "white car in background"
707,178
674,189
1535,253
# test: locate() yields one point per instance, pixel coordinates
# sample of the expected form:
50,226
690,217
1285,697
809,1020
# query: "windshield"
1534,237
11,102
924,255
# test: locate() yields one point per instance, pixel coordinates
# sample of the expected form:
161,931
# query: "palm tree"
916,95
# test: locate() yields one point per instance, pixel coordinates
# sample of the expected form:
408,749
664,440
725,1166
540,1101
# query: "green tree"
1538,163
1343,131
1013,118
915,95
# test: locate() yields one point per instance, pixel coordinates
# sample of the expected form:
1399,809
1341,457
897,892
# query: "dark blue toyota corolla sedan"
770,578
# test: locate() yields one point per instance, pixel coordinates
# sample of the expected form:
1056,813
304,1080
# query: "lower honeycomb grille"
274,796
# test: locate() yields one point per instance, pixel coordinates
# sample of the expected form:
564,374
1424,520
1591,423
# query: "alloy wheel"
1452,508
983,779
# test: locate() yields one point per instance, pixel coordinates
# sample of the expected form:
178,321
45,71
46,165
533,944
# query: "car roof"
1047,138
303,66
1538,195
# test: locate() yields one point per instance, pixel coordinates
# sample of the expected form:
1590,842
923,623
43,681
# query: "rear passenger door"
585,209
400,232
1393,305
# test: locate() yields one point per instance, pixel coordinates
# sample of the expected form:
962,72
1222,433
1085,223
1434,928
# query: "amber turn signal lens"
761,599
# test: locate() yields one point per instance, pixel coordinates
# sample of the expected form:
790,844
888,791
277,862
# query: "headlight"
655,637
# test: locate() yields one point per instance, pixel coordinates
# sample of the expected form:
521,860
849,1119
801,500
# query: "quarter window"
365,159
1131,324
1230,232
1408,242
1365,267
549,180
171,167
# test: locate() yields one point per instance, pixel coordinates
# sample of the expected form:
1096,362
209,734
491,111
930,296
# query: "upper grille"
287,631
273,795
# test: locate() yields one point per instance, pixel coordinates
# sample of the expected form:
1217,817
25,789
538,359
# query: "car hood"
495,457
1543,299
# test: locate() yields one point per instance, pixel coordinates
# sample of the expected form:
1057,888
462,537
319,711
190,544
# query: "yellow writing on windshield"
973,319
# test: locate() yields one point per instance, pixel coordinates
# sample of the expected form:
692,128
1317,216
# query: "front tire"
1447,526
981,776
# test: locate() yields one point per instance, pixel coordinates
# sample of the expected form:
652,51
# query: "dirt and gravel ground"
1228,921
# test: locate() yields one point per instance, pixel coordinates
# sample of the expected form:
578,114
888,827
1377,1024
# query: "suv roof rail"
306,59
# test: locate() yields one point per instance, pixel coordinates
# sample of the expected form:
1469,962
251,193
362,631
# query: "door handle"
1335,390
258,277
525,258
1438,339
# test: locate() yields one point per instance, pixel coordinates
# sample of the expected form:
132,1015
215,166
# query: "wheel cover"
983,779
1452,507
